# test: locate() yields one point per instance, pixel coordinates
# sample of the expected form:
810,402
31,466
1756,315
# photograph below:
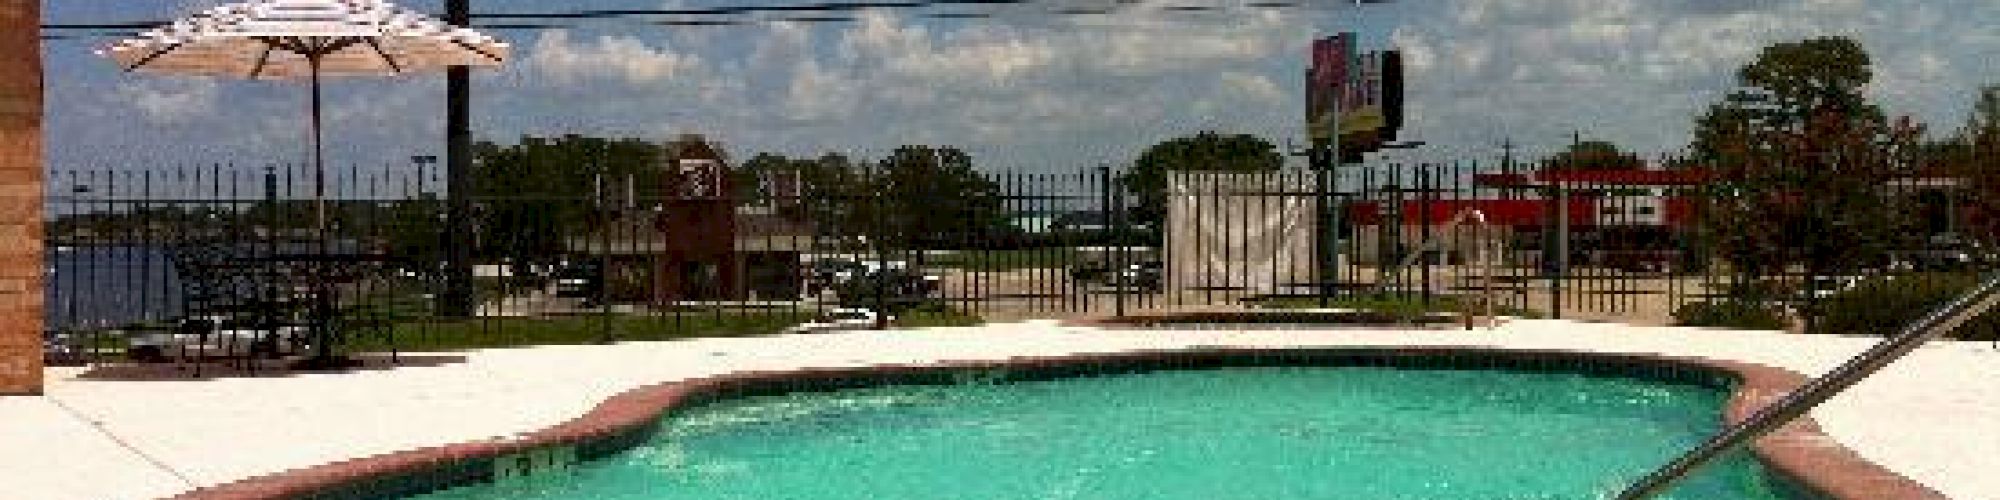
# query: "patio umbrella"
306,39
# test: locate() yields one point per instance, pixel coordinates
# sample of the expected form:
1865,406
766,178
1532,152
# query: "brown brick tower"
698,226
20,197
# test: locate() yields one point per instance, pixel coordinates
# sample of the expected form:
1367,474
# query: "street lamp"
423,163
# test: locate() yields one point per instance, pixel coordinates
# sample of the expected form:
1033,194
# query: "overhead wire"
722,16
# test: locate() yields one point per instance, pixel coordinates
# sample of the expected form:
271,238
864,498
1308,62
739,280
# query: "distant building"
703,242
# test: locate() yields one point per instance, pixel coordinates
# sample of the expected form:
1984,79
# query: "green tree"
1974,156
1593,155
1984,125
1146,181
1783,93
926,197
414,229
1801,157
534,196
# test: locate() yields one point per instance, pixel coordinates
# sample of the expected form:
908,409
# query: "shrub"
1729,314
1880,306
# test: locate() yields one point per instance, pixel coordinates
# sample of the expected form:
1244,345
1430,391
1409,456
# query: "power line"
719,16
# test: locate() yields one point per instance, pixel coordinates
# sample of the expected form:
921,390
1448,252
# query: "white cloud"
819,94
1255,87
1028,88
627,58
171,99
1636,72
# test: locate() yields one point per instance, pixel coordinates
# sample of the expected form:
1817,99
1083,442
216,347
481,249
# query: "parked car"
840,319
1144,276
1824,287
1814,291
580,281
893,288
219,337
1640,261
59,349
1944,252
1089,272
826,274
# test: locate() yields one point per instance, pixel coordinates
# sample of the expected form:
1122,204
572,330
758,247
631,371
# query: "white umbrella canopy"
280,39
306,39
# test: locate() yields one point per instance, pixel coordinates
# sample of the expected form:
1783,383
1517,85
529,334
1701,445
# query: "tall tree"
1974,156
535,195
1205,151
932,197
1801,157
1984,124
1784,93
1593,155
829,189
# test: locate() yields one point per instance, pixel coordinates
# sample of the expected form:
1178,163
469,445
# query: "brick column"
20,197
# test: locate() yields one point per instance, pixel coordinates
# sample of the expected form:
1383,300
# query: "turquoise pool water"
1232,433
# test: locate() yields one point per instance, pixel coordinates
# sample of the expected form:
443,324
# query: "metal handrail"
1974,302
1483,235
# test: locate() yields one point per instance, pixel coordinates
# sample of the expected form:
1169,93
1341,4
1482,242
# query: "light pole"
1325,159
457,299
423,163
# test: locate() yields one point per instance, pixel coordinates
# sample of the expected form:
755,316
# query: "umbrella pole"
319,159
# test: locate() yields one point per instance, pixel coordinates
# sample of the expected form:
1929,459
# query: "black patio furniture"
325,274
270,289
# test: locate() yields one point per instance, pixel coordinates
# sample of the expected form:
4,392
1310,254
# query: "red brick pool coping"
1799,453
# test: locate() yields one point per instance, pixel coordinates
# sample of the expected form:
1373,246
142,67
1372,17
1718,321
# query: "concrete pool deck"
1934,417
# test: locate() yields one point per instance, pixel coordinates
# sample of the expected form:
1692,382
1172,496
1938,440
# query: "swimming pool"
1248,432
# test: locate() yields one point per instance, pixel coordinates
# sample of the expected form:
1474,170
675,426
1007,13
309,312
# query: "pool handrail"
1944,319
1484,235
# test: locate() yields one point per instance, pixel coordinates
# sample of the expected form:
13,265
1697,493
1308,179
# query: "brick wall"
20,197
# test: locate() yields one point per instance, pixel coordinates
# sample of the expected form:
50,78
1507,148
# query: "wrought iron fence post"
1113,202
881,222
1323,161
1560,269
268,293
603,269
1424,200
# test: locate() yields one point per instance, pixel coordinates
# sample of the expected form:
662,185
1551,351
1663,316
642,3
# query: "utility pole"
456,301
1326,162
1507,169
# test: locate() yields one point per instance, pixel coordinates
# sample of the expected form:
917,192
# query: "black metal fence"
168,263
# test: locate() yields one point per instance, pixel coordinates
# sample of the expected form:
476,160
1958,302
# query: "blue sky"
1027,90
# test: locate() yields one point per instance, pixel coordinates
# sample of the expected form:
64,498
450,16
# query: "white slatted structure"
280,39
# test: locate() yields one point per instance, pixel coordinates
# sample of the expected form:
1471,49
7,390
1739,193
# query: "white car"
226,338
839,319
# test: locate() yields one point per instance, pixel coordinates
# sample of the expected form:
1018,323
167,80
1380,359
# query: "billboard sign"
1368,89
1330,57
1361,103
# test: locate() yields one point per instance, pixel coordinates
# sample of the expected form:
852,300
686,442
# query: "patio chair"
226,286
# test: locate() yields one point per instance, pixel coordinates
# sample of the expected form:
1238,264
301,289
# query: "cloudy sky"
1025,89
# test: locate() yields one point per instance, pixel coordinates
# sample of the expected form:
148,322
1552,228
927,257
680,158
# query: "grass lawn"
441,335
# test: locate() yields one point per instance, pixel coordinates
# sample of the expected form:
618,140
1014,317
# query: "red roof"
1498,212
1583,211
1685,177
